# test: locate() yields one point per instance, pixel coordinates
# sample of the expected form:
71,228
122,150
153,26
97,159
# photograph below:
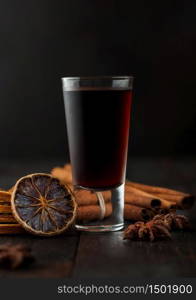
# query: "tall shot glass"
97,113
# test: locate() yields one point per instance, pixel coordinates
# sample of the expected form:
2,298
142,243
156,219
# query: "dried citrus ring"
42,205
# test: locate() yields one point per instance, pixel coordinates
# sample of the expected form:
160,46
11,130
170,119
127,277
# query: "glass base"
100,228
100,211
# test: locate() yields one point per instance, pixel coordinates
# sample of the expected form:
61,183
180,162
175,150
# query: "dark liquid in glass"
98,129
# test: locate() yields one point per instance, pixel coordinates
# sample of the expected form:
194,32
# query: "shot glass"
97,111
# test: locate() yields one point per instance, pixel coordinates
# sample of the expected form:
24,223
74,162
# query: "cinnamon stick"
5,196
131,212
5,208
182,200
136,213
11,229
92,212
153,189
137,194
64,174
7,218
163,211
84,197
11,189
133,197
167,204
140,198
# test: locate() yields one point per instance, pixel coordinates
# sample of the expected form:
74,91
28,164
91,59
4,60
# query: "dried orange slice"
42,205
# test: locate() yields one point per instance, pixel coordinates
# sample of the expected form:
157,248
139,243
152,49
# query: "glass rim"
97,82
98,77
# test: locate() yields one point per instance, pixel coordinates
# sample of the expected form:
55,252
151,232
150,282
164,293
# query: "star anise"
152,230
15,256
173,221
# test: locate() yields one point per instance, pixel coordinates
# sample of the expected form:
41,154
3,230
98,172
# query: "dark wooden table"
90,255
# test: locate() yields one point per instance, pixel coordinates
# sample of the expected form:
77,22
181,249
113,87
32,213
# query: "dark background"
42,41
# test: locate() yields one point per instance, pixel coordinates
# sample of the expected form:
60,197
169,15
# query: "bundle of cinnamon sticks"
142,202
